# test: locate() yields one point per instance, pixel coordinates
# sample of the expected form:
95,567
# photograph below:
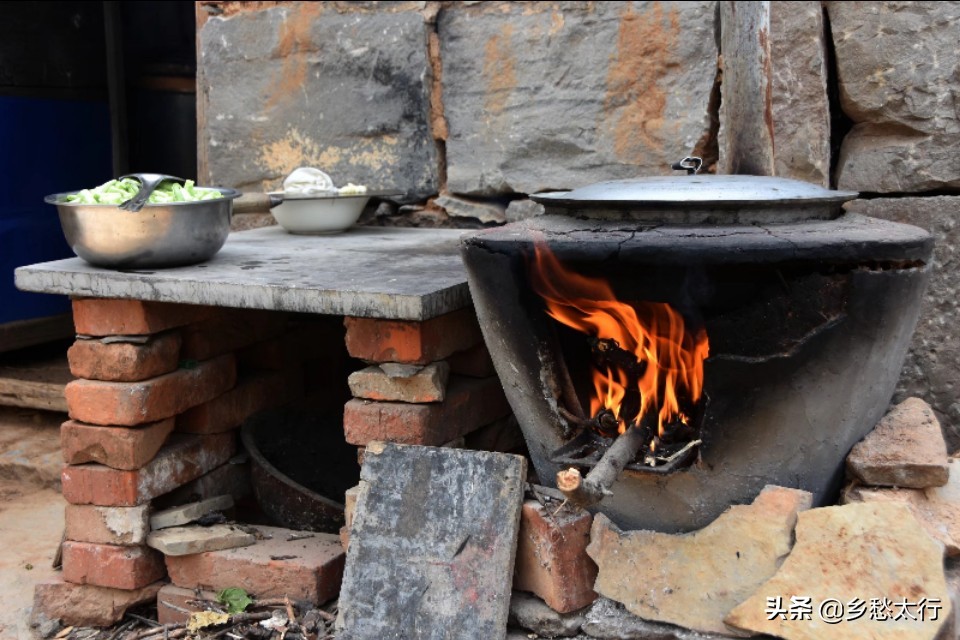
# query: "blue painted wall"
46,146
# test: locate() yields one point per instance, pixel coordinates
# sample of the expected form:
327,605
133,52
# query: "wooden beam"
27,333
35,382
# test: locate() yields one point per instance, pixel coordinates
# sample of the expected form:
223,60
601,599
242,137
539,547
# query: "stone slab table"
171,362
369,272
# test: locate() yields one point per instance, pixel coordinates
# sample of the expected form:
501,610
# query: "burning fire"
671,358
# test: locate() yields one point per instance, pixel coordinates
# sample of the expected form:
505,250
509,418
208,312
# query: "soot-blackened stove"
806,314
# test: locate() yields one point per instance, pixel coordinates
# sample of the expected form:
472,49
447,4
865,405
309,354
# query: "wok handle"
256,202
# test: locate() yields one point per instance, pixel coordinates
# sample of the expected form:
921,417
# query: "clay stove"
799,315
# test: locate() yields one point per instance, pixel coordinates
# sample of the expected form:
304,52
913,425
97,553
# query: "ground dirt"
31,511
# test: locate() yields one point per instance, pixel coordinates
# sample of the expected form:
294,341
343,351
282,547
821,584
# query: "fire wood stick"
586,492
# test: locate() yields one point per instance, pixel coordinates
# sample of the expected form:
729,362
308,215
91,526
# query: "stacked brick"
429,382
161,391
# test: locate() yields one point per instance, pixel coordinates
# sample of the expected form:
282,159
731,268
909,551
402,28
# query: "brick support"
127,448
185,458
114,317
132,403
106,565
470,404
125,361
377,340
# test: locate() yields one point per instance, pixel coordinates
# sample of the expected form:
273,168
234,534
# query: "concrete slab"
432,544
371,272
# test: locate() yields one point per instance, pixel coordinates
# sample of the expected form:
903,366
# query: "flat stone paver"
371,272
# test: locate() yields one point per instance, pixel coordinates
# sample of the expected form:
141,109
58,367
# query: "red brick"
113,317
183,459
470,403
474,362
307,568
117,447
377,340
132,403
552,559
252,393
106,565
124,361
227,330
86,605
175,604
124,526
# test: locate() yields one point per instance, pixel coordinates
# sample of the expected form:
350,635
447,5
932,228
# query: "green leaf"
235,599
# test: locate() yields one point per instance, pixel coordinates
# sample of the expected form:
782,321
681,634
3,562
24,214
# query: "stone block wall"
468,107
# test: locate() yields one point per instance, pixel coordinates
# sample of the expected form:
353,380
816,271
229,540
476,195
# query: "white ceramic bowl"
319,215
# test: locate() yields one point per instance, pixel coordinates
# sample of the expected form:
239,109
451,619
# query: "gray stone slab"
897,67
432,544
552,95
397,274
329,85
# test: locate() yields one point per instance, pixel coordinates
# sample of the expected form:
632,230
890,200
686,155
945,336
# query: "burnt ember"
675,449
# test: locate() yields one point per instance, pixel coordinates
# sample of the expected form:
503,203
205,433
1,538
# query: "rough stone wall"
469,106
898,81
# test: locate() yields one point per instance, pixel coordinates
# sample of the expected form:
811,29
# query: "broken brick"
429,384
552,559
470,403
132,403
116,447
905,449
183,459
125,526
376,340
115,317
299,565
106,565
88,605
124,361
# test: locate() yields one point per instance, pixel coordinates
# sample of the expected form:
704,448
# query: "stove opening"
630,368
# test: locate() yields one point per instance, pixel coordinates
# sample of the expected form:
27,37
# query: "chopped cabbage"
119,191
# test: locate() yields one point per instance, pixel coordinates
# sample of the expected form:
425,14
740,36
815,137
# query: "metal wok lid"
699,198
697,190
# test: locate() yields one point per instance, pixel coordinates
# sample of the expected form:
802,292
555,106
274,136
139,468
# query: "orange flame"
652,331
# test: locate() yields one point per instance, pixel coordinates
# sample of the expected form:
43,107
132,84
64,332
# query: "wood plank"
432,544
27,333
35,379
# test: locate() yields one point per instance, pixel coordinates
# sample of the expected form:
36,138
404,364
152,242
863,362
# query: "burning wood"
585,492
647,375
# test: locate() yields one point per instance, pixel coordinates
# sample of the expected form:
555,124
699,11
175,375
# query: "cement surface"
398,274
